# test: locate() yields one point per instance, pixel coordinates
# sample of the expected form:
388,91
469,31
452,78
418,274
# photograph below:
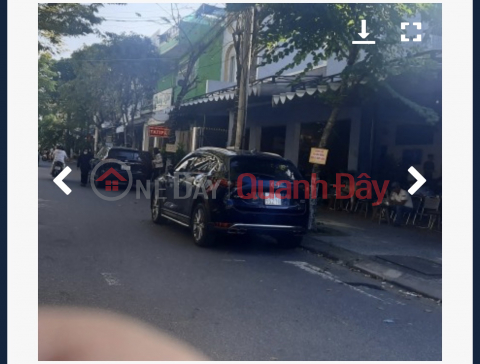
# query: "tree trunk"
95,146
316,168
125,126
132,131
184,89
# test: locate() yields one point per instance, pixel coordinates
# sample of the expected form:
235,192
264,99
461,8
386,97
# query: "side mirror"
170,169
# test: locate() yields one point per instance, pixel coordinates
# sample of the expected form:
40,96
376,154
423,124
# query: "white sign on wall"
171,148
162,100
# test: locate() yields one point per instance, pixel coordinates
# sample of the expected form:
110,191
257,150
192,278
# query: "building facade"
288,119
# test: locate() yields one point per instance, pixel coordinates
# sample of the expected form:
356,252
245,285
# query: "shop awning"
286,96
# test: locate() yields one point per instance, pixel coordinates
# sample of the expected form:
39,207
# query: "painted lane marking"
329,276
111,279
233,260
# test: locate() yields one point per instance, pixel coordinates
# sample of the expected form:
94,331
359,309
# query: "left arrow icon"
59,180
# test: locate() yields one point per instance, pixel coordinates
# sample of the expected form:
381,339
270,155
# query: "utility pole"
244,76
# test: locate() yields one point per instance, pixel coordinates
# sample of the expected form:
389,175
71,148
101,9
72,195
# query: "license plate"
273,201
58,168
125,168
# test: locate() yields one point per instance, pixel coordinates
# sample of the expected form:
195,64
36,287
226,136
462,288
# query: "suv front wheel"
201,235
156,203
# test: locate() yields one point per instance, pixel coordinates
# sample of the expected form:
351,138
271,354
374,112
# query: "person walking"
429,168
84,164
157,163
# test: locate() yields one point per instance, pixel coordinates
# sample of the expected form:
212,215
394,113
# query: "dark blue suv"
216,191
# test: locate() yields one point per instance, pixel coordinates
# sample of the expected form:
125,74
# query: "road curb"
426,287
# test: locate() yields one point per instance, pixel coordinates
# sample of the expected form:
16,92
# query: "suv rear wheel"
201,235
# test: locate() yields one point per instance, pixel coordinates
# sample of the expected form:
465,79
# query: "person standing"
429,168
157,163
84,164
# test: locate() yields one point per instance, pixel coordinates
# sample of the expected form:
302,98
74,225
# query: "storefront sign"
158,131
162,100
318,156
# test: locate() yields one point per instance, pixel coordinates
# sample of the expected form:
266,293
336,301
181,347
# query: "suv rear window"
102,153
124,155
263,167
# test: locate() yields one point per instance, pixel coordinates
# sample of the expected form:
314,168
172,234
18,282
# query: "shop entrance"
273,139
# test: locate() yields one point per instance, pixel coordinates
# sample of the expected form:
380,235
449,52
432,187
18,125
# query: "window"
204,164
182,73
232,70
102,153
185,165
230,65
124,155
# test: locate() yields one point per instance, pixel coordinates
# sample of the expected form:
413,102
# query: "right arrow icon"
420,180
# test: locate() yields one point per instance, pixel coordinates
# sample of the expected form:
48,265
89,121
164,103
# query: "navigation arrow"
420,180
59,181
364,33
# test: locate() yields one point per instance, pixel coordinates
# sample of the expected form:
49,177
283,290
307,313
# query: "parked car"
139,163
226,212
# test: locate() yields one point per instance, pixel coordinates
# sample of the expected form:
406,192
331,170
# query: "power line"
137,21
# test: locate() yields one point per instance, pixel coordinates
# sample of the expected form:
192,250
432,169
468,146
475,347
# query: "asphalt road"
242,300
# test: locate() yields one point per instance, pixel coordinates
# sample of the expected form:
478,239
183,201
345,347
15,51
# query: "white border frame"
457,162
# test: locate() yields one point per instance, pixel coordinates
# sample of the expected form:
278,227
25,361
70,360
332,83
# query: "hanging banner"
162,100
318,156
158,131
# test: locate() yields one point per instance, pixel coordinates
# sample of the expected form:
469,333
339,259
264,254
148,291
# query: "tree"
326,32
46,84
108,81
86,94
136,70
50,126
57,20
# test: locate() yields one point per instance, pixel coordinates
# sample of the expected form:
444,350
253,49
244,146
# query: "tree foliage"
136,71
57,20
104,82
46,84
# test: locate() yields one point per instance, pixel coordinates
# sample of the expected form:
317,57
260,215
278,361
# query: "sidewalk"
407,256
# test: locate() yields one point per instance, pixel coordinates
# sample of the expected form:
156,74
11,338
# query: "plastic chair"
429,208
417,203
363,204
